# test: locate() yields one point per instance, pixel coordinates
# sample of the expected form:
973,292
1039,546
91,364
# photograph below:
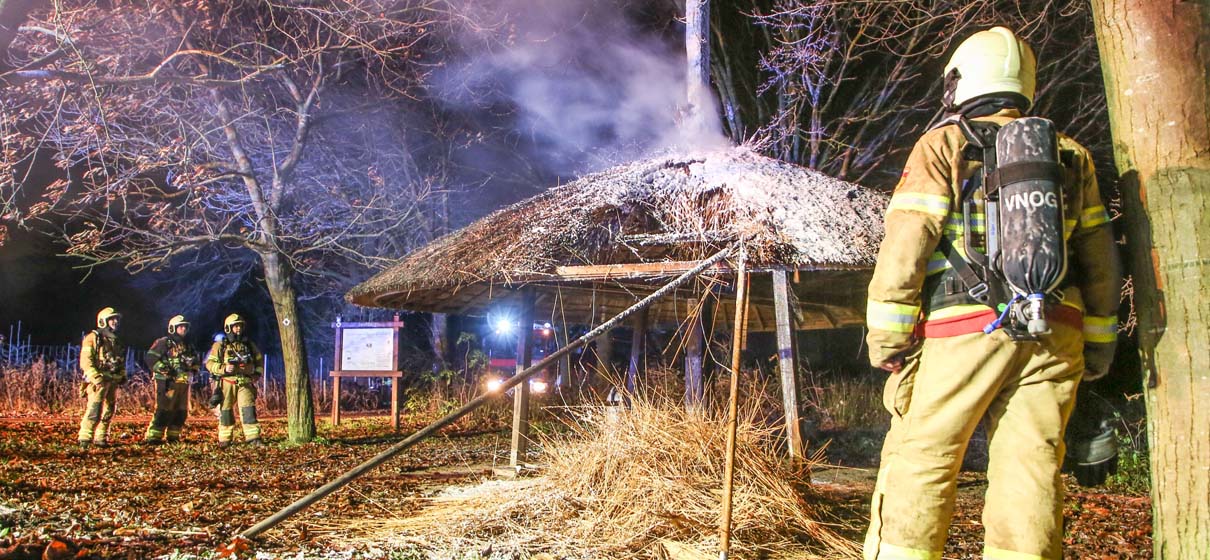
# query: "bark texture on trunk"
300,408
439,336
1156,59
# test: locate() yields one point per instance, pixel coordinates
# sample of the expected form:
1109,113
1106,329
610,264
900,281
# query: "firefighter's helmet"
232,320
104,315
175,322
991,61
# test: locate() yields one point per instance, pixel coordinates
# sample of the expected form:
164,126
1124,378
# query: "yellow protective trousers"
171,403
243,396
98,411
1027,391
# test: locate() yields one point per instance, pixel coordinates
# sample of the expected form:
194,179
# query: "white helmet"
991,61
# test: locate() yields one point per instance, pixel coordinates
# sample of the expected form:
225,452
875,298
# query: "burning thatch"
672,208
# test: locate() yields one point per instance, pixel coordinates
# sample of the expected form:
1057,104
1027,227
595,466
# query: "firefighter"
103,362
236,362
172,362
927,329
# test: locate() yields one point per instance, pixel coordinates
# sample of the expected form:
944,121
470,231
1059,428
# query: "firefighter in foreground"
996,290
236,362
103,362
172,362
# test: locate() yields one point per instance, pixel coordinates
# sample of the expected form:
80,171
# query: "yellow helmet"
232,320
992,61
104,315
176,321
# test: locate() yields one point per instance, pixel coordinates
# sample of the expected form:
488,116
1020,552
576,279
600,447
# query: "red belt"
974,322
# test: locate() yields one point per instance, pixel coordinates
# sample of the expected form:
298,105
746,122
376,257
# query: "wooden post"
395,380
638,348
694,356
525,347
566,375
787,361
340,335
737,346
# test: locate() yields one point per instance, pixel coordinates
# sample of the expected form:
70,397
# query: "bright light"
504,326
545,332
538,386
493,384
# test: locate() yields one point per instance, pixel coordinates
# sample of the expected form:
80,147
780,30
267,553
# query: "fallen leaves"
131,501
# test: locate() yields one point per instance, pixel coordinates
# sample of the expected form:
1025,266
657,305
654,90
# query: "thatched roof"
672,208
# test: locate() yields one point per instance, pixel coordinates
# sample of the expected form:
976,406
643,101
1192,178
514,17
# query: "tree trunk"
703,117
439,335
300,409
1156,55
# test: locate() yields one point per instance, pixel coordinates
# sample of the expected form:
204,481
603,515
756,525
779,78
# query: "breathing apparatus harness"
1016,265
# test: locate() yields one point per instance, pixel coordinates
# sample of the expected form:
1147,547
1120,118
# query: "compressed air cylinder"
1033,254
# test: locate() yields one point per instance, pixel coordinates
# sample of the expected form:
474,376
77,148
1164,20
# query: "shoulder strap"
976,286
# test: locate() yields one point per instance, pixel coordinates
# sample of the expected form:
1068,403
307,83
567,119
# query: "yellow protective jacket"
102,357
926,205
243,353
170,358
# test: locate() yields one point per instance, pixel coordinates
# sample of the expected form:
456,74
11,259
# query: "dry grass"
645,483
846,401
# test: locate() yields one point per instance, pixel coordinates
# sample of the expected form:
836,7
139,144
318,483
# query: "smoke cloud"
581,84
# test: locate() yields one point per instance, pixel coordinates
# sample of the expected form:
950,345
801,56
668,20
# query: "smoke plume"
580,84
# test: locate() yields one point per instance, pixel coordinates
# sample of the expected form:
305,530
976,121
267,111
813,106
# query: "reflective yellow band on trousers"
990,553
892,317
935,204
892,552
1100,329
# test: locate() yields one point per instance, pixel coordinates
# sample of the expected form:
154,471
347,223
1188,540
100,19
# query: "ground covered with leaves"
187,500
131,501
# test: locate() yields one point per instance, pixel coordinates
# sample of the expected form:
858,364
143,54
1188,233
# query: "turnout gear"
990,62
237,388
172,362
926,313
103,364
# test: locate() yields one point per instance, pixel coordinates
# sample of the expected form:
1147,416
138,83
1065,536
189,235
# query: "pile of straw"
645,483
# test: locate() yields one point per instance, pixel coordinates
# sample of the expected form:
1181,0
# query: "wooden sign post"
367,350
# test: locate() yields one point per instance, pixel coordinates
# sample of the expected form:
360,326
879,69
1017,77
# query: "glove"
1098,356
1092,445
216,399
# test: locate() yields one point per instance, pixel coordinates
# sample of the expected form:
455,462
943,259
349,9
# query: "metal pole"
452,417
737,341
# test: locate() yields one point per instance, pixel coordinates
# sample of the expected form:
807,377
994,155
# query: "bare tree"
846,84
224,135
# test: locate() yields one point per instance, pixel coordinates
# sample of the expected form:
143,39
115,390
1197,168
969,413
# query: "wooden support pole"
335,378
694,356
423,433
737,345
525,347
638,348
787,361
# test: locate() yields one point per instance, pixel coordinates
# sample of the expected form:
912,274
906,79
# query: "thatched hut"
585,251
589,248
